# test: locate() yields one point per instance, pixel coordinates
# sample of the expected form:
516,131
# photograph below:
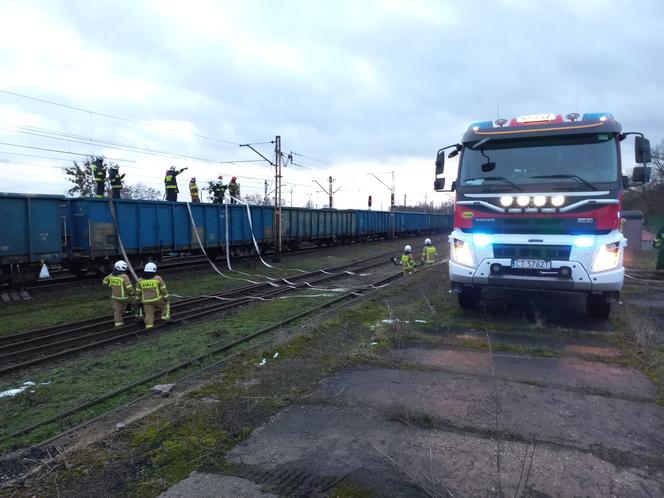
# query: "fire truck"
537,206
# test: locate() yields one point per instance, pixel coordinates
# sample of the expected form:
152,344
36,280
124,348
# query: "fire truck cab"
537,206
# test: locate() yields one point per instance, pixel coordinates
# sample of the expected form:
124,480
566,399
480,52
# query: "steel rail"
35,354
353,295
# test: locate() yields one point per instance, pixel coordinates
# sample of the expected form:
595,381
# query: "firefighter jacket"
193,189
121,288
115,178
234,189
658,242
151,290
429,254
98,171
170,180
407,262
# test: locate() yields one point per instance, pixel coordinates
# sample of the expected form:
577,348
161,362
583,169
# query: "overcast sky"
356,86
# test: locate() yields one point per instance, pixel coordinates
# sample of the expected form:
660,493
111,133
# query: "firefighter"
658,243
152,293
193,190
122,292
429,252
407,261
99,175
115,178
171,183
218,190
234,189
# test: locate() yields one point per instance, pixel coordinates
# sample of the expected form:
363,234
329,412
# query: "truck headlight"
461,253
607,257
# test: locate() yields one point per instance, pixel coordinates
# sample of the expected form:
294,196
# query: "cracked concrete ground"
439,425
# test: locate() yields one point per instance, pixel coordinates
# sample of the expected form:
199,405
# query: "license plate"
531,264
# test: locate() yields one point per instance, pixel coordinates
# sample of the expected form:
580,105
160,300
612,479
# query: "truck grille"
517,251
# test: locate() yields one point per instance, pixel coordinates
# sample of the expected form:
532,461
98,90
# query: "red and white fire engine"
538,204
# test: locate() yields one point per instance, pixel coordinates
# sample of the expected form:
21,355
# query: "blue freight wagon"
32,232
79,234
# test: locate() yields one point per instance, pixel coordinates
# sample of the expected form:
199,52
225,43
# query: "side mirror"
642,154
489,166
439,184
641,174
453,187
440,162
625,181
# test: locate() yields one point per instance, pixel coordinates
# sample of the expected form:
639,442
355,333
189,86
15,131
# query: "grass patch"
74,381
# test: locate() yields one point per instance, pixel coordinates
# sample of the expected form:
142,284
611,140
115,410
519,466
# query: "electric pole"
265,195
404,200
276,232
329,191
277,197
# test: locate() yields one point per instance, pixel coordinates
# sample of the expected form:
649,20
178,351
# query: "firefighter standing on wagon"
171,183
193,190
234,189
115,179
153,295
122,292
98,169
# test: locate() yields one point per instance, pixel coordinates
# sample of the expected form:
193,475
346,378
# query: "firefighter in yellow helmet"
429,252
193,190
152,293
122,292
407,261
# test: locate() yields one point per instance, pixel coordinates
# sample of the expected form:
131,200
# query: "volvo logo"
585,220
485,220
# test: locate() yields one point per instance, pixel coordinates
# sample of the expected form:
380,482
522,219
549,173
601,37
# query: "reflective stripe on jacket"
429,254
193,188
121,288
116,179
151,290
98,172
407,262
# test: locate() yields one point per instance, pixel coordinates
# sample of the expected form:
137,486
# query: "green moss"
350,489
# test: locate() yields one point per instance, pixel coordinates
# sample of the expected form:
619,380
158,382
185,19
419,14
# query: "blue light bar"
597,116
481,124
584,241
481,239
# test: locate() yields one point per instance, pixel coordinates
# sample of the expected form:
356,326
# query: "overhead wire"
111,116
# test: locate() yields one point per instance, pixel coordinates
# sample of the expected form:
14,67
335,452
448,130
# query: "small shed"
632,228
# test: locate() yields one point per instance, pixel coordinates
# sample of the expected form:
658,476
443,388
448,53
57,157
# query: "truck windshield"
575,160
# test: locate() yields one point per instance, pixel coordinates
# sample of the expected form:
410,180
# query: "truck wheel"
597,307
469,297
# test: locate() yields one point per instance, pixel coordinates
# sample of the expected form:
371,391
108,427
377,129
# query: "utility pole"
404,200
392,189
276,232
265,195
291,196
329,191
277,197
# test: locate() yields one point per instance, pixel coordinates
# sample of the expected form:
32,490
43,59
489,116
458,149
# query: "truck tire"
597,306
469,297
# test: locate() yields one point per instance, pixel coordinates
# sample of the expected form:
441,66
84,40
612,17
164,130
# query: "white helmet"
150,268
120,265
427,242
407,249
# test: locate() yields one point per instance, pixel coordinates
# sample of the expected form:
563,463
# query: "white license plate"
531,264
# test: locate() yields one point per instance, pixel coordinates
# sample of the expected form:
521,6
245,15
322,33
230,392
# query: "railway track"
24,349
230,349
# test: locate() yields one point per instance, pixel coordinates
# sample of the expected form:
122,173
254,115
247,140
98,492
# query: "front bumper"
580,279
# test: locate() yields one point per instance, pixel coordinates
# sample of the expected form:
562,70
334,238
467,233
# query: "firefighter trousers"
99,190
149,312
119,308
171,195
